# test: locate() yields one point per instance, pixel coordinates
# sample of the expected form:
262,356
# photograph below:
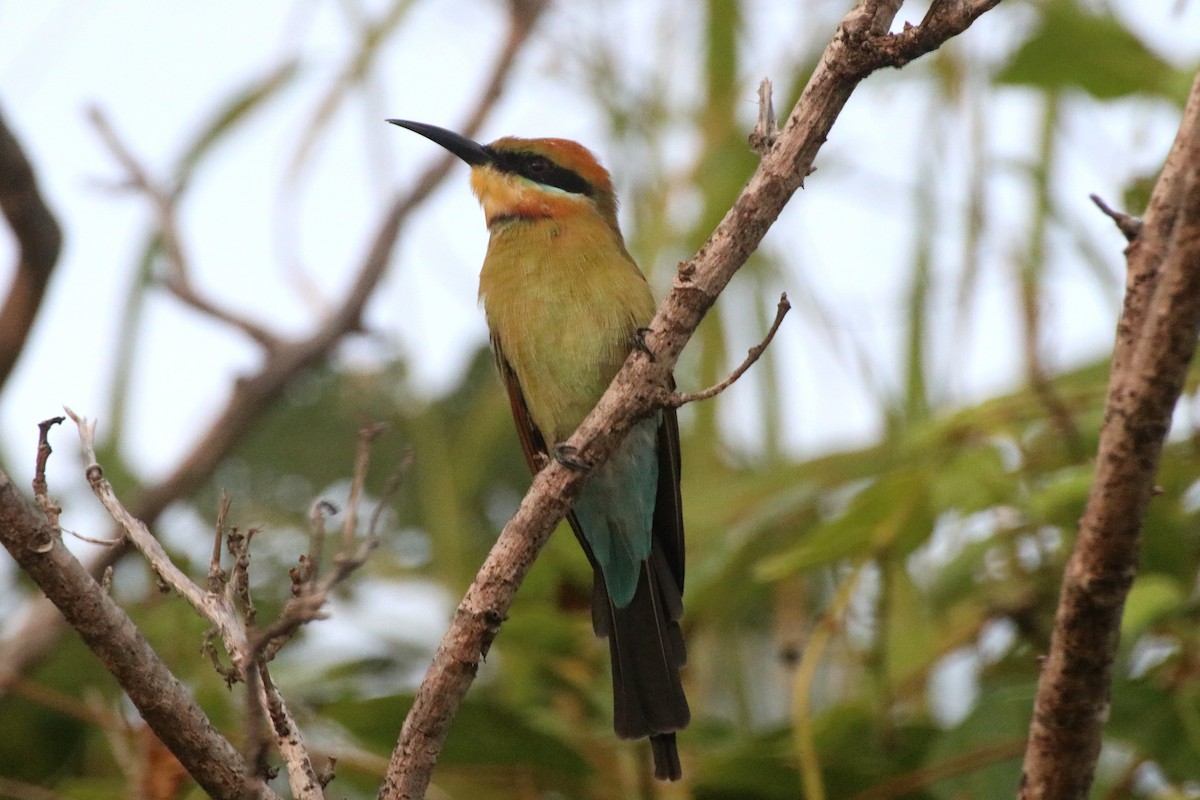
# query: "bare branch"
263,698
39,241
179,282
857,49
1156,338
363,457
139,535
160,698
677,399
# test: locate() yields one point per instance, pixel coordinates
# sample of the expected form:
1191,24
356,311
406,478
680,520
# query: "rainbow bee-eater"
565,303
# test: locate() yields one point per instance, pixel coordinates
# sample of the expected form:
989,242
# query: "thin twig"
41,490
361,460
678,399
318,512
302,775
1129,225
310,590
389,491
257,730
216,575
92,539
179,282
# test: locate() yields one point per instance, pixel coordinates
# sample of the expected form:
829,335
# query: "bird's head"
524,179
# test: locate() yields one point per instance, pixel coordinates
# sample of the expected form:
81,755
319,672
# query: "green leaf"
484,734
752,768
1075,48
894,514
857,752
1158,723
996,726
1151,598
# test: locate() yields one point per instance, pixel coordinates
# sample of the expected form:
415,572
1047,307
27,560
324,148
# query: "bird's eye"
539,166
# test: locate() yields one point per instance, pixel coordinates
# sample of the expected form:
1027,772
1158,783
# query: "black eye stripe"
540,169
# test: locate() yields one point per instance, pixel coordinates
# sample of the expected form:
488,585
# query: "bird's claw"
638,341
566,455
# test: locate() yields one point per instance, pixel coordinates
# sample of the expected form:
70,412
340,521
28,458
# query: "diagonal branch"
1156,338
860,46
164,202
39,241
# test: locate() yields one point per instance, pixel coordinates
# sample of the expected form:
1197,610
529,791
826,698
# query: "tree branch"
859,47
249,649
160,698
1156,338
39,241
179,282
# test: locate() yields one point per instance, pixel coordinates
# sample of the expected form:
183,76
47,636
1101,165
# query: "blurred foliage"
954,525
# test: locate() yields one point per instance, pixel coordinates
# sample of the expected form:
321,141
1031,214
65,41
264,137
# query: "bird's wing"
533,444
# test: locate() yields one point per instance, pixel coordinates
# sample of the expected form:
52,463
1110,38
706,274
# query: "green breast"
565,302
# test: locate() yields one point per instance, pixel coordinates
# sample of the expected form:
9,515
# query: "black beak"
469,151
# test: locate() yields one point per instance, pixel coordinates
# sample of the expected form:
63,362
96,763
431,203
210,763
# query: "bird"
565,303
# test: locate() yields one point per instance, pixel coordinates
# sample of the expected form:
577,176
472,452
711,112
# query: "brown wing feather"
533,444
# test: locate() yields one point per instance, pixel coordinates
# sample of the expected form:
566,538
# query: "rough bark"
1156,337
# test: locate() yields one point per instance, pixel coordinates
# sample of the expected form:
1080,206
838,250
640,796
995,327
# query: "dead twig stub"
1129,225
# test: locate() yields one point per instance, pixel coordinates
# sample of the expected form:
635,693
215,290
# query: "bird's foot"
638,342
567,455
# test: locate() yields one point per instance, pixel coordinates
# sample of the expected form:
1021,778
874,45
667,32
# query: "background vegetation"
864,620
